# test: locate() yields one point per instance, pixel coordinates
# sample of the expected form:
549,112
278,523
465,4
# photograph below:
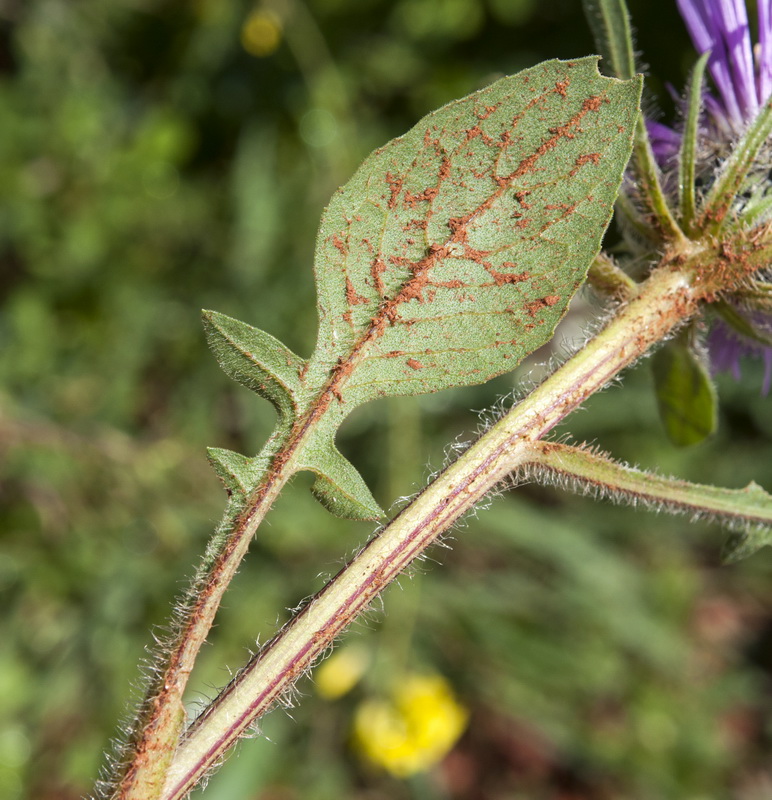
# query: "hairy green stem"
608,279
162,716
665,301
583,470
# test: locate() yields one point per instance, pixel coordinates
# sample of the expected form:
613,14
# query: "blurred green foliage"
157,157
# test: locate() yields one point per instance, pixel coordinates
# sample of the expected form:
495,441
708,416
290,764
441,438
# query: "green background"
150,167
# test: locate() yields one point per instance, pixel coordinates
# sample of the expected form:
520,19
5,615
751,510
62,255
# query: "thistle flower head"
742,77
741,70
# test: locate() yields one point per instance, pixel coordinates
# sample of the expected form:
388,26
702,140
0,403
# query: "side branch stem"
665,301
586,471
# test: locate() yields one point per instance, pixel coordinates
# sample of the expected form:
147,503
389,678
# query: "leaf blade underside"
450,255
454,250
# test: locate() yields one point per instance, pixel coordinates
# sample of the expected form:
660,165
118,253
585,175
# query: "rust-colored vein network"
418,283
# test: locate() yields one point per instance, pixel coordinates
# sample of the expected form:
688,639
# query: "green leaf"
449,256
685,393
648,174
256,360
609,21
608,279
340,488
758,207
751,538
454,250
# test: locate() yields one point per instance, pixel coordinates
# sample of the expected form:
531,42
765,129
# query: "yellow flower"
261,33
341,671
413,729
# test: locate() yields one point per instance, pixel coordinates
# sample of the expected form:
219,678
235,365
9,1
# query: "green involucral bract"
685,393
449,256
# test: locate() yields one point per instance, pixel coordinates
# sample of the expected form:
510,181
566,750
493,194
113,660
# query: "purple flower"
741,72
743,82
726,347
742,75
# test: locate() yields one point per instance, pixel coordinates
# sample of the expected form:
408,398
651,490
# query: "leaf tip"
345,505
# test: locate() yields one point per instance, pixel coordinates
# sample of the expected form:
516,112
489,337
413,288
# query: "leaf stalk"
666,300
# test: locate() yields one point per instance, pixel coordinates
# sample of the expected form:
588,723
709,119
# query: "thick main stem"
666,300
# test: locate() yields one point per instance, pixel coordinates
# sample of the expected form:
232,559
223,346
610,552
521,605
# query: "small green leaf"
609,21
608,279
648,174
752,538
237,472
758,208
340,488
256,360
685,393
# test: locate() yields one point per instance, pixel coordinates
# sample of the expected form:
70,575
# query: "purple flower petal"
764,54
665,142
765,387
721,27
733,21
706,33
718,115
726,349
